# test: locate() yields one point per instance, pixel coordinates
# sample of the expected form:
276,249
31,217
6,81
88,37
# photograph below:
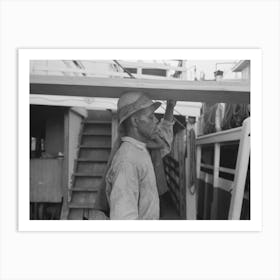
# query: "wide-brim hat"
132,102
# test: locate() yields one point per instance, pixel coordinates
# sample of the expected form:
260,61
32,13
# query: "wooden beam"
229,135
196,91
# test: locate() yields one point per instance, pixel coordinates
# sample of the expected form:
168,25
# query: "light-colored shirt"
166,133
131,184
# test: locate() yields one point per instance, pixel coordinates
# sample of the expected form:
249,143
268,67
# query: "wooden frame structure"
241,134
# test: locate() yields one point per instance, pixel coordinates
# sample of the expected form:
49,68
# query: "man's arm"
165,129
168,116
125,193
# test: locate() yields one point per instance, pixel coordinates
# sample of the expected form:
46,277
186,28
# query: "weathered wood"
96,140
81,205
182,184
46,180
95,154
241,172
65,187
197,91
83,189
91,167
229,135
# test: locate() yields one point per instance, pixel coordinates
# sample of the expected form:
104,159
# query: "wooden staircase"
93,153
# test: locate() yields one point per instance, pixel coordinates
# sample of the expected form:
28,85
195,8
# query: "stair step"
87,182
98,128
88,175
99,115
96,122
81,205
97,133
84,189
91,167
92,160
96,146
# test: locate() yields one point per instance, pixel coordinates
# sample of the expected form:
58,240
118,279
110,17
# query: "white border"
24,57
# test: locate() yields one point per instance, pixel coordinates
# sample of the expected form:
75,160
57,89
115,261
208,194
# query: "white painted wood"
227,170
222,169
115,126
233,134
216,164
191,198
241,172
197,91
198,161
222,183
148,65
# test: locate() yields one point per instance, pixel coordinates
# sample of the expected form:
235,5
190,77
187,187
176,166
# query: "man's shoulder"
127,155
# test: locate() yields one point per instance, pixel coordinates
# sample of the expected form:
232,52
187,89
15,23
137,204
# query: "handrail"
229,135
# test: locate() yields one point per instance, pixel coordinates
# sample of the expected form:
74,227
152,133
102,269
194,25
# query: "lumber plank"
197,91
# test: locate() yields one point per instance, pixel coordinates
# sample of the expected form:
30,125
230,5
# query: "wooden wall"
46,180
55,133
75,119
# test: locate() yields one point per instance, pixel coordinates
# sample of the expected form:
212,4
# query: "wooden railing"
242,136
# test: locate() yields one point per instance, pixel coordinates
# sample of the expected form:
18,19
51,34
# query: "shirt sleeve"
166,133
125,193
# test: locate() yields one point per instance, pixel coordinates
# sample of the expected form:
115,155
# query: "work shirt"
131,184
165,132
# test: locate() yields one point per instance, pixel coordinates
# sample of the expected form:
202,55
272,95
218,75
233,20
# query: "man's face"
146,123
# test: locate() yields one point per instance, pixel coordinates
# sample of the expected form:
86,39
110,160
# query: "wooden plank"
82,189
182,185
241,172
65,187
96,146
76,214
96,175
222,183
91,160
196,91
229,135
46,179
81,205
214,206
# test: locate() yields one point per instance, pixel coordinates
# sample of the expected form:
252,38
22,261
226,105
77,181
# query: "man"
131,185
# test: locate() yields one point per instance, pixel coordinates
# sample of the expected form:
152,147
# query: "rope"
192,162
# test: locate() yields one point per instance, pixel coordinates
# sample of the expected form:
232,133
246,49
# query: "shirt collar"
134,142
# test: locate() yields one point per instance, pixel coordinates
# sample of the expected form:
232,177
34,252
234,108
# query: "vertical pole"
65,165
114,128
240,173
198,166
191,197
214,208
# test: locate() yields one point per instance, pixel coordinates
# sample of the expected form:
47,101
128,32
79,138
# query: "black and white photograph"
140,139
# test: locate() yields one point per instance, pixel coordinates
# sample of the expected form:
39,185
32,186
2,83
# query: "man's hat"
131,102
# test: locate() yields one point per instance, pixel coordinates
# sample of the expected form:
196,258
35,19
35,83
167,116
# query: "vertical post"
198,161
214,208
191,211
114,128
240,173
198,164
182,184
65,190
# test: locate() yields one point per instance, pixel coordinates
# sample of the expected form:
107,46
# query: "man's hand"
171,103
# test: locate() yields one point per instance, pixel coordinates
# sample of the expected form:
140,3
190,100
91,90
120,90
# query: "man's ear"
134,121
